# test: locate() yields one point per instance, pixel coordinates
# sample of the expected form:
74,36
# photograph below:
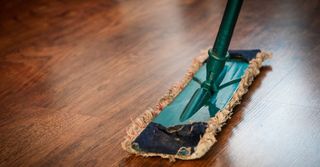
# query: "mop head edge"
214,124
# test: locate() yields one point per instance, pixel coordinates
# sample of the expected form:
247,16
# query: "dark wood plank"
74,73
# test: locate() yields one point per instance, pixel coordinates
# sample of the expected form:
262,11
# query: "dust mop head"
159,132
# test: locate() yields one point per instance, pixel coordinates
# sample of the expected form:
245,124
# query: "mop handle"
227,25
217,55
216,61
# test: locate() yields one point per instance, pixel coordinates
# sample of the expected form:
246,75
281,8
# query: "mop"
185,121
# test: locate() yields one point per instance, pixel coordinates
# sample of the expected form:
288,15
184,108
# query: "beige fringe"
214,124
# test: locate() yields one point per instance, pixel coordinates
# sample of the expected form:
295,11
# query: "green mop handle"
217,55
216,61
228,23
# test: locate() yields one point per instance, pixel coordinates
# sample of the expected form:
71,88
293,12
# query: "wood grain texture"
74,73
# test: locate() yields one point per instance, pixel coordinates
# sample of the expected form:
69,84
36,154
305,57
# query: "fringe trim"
214,124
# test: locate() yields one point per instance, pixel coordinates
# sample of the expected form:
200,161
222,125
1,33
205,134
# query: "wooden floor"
73,73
